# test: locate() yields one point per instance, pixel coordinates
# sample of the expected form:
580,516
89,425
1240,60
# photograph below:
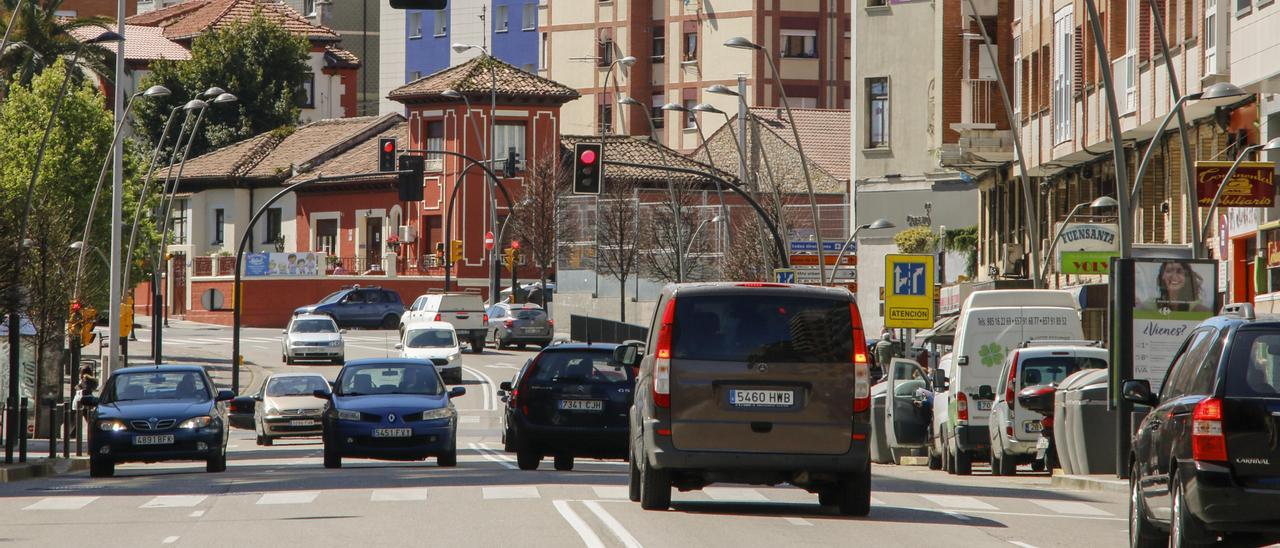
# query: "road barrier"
588,329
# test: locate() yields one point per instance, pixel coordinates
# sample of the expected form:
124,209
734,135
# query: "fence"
599,330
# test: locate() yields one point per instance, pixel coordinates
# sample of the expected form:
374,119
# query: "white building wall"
391,47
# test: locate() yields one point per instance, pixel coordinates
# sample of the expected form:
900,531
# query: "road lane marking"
469,419
196,514
877,502
61,503
174,501
799,521
958,502
611,492
614,526
584,531
170,540
1070,507
739,494
492,456
1025,545
957,515
289,497
511,492
406,494
486,386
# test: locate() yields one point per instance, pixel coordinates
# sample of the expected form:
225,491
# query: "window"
1129,64
762,329
658,115
1254,367
309,8
605,116
1178,378
219,219
272,232
1063,53
1210,36
178,220
434,141
307,95
659,44
800,44
877,112
500,23
415,24
877,3
604,50
441,20
690,46
1243,7
805,102
530,19
1017,75
508,135
690,117
542,51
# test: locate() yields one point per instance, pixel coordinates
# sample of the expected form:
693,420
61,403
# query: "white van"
992,324
464,311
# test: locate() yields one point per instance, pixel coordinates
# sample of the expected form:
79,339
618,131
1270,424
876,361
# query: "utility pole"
116,293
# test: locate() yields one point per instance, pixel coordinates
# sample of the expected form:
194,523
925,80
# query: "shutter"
1077,63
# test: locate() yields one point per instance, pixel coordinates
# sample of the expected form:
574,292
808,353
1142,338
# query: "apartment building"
357,21
679,51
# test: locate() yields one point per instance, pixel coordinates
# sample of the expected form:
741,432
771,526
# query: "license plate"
984,405
162,439
761,398
1031,427
581,405
530,330
302,422
392,432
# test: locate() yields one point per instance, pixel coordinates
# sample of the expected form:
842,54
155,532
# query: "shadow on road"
879,514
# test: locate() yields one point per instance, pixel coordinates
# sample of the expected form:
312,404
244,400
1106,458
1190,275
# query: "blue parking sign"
784,275
909,279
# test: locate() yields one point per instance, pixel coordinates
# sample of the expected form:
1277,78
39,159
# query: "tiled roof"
473,79
341,57
641,150
360,158
189,19
825,135
141,44
823,132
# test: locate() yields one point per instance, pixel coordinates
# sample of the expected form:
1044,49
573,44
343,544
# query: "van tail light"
1008,431
1207,441
508,323
662,361
486,318
551,323
962,407
861,369
1046,423
1009,396
437,317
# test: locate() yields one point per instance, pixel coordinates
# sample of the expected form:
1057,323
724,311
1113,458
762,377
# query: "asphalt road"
282,496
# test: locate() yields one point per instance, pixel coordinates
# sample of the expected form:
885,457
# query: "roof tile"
143,43
273,157
473,78
194,17
641,150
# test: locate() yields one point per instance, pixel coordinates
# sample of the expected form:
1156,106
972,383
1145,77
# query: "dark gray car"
520,324
752,383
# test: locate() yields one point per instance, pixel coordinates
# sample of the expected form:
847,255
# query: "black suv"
359,307
571,400
1205,463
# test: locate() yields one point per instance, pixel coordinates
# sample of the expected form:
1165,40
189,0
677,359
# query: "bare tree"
660,250
539,217
617,234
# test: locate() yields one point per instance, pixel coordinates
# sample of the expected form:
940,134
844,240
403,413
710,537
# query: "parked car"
1204,465
520,324
157,413
359,307
571,400
312,337
941,405
905,419
286,407
435,341
464,311
1014,430
752,383
530,293
391,409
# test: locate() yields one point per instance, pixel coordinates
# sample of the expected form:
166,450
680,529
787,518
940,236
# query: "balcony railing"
980,100
425,265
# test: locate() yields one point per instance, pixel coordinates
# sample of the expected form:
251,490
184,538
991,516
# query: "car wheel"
520,346
508,440
477,345
101,467
339,361
1037,465
217,461
527,459
829,496
1142,533
855,494
935,461
390,321
564,463
1008,465
994,460
288,360
501,343
268,440
964,463
655,487
449,459
1186,530
947,466
633,479
332,459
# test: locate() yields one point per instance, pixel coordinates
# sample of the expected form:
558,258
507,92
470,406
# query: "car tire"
331,457
994,461
288,361
477,345
1008,465
520,346
508,441
655,487
829,496
564,463
1142,532
935,461
450,458
947,465
339,361
101,467
527,460
964,463
1185,529
855,494
1037,465
633,480
500,344
390,321
217,461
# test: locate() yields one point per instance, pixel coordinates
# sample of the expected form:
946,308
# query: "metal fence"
599,330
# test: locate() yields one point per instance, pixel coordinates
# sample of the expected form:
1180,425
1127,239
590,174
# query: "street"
282,495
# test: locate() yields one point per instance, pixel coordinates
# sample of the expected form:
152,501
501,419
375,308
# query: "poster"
27,357
300,263
1171,297
1252,185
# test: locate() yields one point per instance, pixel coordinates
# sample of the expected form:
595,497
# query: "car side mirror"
962,360
322,394
244,405
399,346
89,401
256,397
627,354
505,386
939,380
342,331
225,395
1139,391
457,391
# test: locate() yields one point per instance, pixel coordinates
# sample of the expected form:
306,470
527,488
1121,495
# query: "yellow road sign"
908,291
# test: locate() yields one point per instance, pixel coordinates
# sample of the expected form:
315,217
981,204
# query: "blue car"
357,306
390,409
158,413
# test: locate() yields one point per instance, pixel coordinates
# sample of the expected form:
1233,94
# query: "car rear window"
1254,367
529,314
1053,369
580,368
762,328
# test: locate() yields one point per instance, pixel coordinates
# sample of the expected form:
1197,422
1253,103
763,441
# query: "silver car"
520,324
312,337
286,406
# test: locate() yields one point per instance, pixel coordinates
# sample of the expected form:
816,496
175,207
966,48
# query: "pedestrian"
922,358
886,351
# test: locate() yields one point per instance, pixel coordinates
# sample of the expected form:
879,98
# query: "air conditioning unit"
408,234
1013,254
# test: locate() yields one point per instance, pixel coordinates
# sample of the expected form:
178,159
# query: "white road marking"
877,502
1071,507
469,419
1025,545
511,492
614,526
610,491
799,521
739,494
492,456
487,387
584,531
170,540
196,514
958,502
174,501
957,515
61,503
289,497
405,494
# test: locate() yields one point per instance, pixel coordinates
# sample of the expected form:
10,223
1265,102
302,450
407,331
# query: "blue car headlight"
196,422
346,415
435,414
112,425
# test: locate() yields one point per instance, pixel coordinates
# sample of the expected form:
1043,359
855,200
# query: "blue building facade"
509,28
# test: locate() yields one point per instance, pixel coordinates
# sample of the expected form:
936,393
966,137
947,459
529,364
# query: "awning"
942,332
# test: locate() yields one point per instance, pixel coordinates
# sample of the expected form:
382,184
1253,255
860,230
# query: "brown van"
752,383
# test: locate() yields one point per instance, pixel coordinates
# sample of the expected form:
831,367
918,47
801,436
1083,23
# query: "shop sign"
1087,248
1252,185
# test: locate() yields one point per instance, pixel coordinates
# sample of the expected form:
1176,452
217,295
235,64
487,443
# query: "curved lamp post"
1273,144
677,107
489,154
721,89
877,224
1102,202
693,238
676,221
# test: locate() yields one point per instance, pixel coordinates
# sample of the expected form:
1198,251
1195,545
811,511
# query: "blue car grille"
159,425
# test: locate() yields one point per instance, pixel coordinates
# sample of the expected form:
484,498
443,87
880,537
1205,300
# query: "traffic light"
455,251
586,168
510,257
386,154
410,183
419,4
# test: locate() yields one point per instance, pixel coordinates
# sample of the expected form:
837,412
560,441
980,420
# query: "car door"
909,426
1251,407
1170,420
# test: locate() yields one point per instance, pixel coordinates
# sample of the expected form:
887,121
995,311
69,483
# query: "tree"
617,234
917,239
41,36
258,61
539,215
662,253
964,240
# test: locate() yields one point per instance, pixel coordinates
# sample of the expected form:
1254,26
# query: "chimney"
324,12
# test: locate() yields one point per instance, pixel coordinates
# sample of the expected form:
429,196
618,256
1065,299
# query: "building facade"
357,22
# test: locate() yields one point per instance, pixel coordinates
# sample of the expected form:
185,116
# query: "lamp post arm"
1188,167
1048,259
844,248
724,212
171,182
1223,186
1150,152
142,195
804,167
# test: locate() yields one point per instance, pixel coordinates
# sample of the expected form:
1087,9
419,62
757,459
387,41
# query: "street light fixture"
877,224
693,238
1273,144
455,95
1102,202
720,89
671,191
677,107
490,154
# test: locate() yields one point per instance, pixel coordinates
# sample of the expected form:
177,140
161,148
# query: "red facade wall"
269,303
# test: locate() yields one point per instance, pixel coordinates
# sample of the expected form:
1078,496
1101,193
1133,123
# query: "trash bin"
1096,450
1064,421
880,453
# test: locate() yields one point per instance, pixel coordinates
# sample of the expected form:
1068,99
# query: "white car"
464,311
312,337
435,341
287,407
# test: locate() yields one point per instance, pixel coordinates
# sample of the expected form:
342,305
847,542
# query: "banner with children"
299,263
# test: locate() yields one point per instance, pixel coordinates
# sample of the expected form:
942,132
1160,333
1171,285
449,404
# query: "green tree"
964,240
918,239
258,61
40,37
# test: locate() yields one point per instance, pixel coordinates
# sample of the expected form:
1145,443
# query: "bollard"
53,429
66,430
22,431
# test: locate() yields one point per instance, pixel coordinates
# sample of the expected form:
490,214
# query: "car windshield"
1254,370
314,326
580,368
160,385
769,328
296,386
529,314
395,378
333,297
1053,369
429,338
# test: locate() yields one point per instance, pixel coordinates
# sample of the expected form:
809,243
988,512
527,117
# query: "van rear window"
1254,369
1054,369
768,328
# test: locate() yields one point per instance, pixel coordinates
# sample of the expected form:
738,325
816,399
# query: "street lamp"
877,224
720,89
694,237
79,246
739,42
1273,144
1102,202
453,94
671,191
677,107
489,155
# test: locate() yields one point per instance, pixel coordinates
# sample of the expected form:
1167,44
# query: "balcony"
979,98
980,144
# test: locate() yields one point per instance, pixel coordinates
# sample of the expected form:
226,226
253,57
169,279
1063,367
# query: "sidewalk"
1092,482
39,464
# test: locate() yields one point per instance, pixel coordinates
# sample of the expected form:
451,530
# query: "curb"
913,461
43,468
1089,483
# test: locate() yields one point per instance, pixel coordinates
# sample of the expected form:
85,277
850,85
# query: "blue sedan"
158,413
391,409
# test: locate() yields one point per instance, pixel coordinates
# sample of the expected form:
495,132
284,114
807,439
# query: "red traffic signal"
389,146
386,154
588,157
515,244
586,169
76,306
